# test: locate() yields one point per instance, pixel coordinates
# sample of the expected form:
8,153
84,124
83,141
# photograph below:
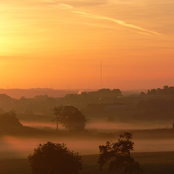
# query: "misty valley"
87,86
85,120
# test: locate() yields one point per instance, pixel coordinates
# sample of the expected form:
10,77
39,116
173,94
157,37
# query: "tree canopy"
118,156
70,117
51,158
9,120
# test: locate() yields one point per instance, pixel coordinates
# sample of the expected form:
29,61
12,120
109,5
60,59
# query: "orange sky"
60,44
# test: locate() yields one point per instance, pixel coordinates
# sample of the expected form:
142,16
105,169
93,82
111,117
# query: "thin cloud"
58,4
120,22
65,6
101,26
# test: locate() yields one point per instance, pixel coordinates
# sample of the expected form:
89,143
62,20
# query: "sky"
86,44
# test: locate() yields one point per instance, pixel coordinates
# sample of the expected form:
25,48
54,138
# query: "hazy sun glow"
61,44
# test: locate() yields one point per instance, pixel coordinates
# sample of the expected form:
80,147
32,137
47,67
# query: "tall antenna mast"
101,74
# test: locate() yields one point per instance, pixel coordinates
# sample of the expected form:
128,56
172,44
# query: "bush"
51,158
118,155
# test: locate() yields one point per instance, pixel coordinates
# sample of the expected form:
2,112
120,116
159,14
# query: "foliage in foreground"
51,158
118,156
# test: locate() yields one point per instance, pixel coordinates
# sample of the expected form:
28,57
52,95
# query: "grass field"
151,162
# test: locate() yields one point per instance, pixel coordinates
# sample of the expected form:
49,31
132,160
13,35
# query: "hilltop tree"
118,156
51,158
70,117
8,120
57,112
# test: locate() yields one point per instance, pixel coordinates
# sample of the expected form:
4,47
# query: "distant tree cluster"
105,107
42,104
158,104
165,91
70,117
84,98
107,92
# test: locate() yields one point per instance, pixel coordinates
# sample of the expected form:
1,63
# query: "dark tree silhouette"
73,119
9,120
118,156
70,117
51,158
57,111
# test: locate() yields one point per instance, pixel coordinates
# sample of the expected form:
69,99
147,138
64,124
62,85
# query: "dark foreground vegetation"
151,163
118,155
52,158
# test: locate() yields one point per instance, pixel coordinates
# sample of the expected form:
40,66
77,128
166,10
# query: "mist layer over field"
15,147
103,125
97,133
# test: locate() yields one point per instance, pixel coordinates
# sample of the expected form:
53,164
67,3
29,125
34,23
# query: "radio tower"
101,74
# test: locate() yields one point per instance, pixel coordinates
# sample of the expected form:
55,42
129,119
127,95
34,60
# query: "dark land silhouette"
30,93
25,122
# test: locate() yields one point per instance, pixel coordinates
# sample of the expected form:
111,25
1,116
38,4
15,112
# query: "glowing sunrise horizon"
61,44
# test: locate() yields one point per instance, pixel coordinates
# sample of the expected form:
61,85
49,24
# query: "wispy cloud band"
120,22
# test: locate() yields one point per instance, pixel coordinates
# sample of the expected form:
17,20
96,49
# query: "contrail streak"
117,21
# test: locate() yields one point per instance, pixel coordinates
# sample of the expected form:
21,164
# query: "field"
151,162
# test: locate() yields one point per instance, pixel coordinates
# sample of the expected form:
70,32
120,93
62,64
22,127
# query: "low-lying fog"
103,126
13,147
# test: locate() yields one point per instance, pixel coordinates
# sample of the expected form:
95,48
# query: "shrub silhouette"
51,158
8,120
118,156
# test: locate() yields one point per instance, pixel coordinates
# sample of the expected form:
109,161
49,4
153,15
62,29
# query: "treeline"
101,101
42,104
158,99
31,93
165,91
